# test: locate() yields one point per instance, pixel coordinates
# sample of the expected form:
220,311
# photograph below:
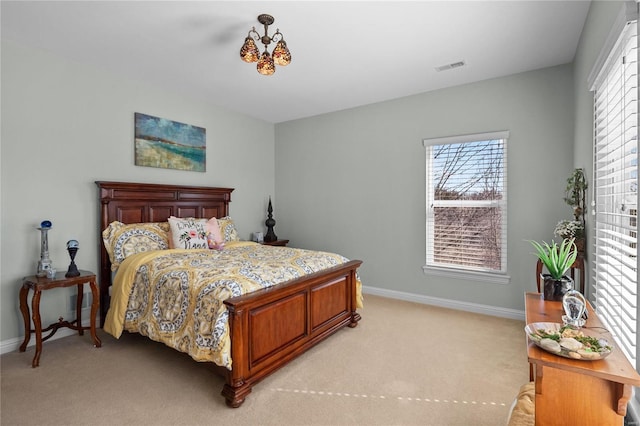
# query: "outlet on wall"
87,299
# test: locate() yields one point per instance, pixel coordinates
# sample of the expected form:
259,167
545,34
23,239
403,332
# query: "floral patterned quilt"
176,296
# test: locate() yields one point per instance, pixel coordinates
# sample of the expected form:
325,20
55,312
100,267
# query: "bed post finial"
270,222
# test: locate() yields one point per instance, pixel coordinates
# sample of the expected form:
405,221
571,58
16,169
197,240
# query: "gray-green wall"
66,125
354,180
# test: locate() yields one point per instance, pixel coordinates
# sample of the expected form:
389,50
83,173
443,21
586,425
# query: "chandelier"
266,62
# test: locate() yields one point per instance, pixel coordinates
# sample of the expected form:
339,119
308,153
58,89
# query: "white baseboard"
495,311
11,345
14,344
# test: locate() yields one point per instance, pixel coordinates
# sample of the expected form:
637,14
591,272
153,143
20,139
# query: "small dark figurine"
72,248
270,222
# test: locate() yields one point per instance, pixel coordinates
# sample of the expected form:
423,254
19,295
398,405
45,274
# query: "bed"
268,327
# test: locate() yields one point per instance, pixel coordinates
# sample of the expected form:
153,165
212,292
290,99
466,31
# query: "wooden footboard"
271,327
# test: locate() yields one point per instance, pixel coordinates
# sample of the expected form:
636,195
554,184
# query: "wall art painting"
168,144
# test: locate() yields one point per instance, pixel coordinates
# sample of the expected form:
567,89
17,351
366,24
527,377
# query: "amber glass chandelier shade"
281,54
249,51
266,65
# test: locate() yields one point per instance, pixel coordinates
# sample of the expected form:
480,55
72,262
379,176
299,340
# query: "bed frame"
304,311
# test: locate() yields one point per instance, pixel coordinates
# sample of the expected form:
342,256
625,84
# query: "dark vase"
555,289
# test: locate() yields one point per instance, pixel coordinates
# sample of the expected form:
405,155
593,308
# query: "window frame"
462,272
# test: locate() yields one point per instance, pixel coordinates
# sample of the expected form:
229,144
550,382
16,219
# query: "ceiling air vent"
450,66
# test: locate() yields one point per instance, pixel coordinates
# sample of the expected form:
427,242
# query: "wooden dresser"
574,392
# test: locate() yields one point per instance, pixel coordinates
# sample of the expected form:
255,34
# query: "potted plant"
568,229
557,259
576,194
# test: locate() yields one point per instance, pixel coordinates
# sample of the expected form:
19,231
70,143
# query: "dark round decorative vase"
555,289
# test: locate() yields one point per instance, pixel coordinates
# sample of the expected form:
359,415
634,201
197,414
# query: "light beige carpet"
405,364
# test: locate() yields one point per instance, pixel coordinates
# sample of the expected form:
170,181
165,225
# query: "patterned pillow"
189,233
228,229
122,240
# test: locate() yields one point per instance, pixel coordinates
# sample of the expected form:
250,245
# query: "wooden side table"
38,284
577,392
282,243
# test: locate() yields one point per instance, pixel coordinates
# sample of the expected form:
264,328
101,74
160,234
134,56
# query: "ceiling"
345,53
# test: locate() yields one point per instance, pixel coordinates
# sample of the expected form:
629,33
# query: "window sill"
486,277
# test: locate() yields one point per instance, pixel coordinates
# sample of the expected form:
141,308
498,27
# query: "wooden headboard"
143,202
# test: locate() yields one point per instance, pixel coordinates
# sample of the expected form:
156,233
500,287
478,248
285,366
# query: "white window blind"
616,191
466,202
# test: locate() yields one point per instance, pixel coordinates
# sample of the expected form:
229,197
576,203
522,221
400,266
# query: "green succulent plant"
556,258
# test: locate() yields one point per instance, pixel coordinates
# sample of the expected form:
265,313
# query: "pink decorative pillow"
214,236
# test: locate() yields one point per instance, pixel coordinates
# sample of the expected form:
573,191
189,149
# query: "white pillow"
191,233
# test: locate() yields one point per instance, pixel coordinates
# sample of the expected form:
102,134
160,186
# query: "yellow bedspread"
176,296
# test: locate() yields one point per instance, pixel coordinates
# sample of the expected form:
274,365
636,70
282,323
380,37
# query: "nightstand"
282,243
39,284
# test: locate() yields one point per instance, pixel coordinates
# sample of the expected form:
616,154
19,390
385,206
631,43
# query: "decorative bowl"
567,341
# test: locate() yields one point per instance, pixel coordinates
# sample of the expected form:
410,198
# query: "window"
615,175
466,205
